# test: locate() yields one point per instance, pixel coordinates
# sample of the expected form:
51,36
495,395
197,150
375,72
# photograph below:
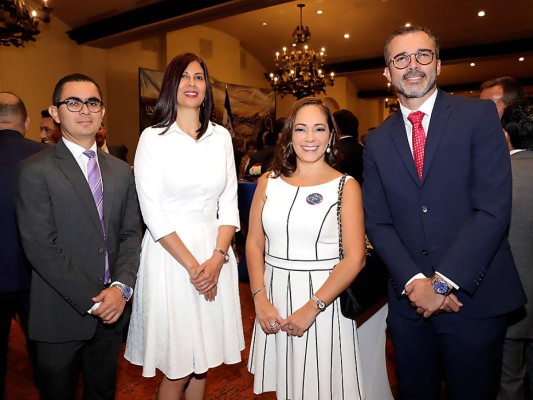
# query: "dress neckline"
310,186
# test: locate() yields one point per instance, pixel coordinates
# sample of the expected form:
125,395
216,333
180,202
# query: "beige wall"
32,73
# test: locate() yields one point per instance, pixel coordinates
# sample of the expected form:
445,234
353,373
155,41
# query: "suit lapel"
399,137
70,168
107,180
439,117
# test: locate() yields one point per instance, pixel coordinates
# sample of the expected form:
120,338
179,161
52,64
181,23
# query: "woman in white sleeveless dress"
302,347
186,312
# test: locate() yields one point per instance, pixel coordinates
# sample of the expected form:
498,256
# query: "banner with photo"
246,111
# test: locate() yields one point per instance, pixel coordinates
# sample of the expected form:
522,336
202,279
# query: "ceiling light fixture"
346,36
300,72
521,59
18,24
481,13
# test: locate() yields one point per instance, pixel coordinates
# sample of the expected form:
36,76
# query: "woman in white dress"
302,347
186,311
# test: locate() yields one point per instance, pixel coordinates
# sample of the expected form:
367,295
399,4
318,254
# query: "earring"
328,150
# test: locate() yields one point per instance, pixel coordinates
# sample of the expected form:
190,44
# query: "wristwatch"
319,303
440,286
225,255
125,290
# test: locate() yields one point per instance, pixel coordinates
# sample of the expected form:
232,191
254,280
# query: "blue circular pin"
314,198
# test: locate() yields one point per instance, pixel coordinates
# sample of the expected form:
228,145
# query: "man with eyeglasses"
437,198
79,223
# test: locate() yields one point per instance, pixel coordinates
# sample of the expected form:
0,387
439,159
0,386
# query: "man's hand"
422,297
111,305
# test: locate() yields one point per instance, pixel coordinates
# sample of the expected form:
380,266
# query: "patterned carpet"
227,382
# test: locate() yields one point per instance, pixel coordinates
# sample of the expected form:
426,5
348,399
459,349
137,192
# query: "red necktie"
419,140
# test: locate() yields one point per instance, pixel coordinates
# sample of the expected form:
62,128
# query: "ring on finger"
273,325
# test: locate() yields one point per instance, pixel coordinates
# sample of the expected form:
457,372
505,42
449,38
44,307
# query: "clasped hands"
205,277
295,324
426,302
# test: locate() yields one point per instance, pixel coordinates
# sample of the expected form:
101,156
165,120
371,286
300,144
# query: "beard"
415,91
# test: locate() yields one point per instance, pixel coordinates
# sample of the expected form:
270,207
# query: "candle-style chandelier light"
300,70
18,24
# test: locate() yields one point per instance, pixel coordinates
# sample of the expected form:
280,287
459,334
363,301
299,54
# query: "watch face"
321,305
126,292
440,286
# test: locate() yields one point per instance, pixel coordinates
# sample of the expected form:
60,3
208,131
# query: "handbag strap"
339,221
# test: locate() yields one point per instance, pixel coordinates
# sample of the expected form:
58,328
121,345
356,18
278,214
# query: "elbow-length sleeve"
228,211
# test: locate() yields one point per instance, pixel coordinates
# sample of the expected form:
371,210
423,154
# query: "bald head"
13,113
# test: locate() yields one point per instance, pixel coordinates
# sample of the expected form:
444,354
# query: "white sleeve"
228,211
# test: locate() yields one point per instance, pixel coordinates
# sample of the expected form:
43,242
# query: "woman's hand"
206,279
299,322
266,314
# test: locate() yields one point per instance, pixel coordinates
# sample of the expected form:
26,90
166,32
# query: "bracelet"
225,255
256,291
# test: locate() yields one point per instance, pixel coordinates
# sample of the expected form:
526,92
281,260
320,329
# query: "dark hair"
14,109
56,98
278,125
166,107
285,158
403,30
270,138
517,120
347,122
512,89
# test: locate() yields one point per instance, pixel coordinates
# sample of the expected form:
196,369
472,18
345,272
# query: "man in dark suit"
117,150
437,208
517,370
351,149
14,268
78,215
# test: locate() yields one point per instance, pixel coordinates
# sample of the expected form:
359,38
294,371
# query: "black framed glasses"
76,105
423,57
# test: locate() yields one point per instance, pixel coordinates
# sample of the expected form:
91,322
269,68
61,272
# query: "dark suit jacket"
521,236
263,157
455,220
63,239
119,151
352,161
14,268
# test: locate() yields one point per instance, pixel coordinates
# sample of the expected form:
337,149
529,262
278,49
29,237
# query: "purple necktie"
97,189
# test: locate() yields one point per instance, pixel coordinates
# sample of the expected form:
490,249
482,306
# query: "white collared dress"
188,187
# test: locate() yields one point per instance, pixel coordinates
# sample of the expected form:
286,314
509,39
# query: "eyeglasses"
423,57
76,105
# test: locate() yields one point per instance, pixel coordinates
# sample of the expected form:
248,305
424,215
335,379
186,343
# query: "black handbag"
370,286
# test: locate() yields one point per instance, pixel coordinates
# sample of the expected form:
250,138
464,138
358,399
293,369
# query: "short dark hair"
512,89
517,120
17,108
404,30
284,163
347,122
46,114
58,90
166,107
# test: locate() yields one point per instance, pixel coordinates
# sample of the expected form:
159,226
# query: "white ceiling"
368,22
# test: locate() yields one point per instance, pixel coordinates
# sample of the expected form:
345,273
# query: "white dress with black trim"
301,249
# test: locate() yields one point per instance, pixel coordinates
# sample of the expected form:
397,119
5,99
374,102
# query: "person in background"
437,200
118,150
14,267
79,222
502,91
349,146
186,312
50,129
517,369
261,161
302,348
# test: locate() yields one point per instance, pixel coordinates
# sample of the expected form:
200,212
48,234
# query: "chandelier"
18,24
300,71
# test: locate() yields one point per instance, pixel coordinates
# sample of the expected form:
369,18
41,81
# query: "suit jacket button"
424,252
100,278
424,209
101,251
